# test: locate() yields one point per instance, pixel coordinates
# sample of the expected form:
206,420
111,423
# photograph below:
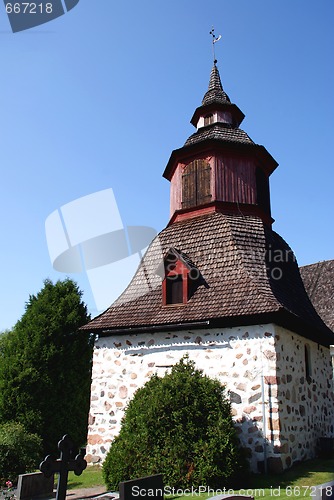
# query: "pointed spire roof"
215,92
216,99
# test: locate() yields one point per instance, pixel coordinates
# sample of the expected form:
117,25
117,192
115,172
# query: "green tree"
45,366
179,425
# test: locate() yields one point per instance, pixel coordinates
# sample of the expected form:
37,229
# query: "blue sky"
99,98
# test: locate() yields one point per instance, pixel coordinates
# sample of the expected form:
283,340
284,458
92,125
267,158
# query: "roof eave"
236,112
281,317
183,154
307,329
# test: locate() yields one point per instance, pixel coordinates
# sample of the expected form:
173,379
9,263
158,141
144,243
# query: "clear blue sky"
99,98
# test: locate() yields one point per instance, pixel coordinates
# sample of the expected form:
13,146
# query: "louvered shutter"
203,182
196,184
189,186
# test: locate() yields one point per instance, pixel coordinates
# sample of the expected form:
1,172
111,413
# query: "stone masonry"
249,361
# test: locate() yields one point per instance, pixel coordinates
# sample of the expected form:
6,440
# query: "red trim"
212,147
178,269
228,208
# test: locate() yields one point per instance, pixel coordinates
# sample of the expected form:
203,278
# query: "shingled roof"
215,92
216,98
245,282
319,283
219,131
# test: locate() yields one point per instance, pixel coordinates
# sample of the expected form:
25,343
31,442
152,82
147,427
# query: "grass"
295,482
299,481
92,476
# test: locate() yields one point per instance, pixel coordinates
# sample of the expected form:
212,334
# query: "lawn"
299,481
92,476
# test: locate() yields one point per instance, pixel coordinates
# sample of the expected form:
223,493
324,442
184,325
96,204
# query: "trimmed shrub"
179,425
20,452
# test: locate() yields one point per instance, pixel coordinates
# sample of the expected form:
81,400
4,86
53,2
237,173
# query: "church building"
219,284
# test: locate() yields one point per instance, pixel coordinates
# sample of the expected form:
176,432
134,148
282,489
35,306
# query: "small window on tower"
208,119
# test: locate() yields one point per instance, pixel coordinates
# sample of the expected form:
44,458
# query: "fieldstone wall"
249,361
306,403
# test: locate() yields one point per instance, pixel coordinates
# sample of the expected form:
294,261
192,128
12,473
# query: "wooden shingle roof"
219,131
215,92
319,283
245,282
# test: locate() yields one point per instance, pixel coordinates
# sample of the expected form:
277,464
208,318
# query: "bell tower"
219,168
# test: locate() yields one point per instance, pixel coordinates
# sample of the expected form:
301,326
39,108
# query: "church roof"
250,276
319,283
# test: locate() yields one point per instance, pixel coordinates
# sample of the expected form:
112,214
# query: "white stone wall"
236,356
247,360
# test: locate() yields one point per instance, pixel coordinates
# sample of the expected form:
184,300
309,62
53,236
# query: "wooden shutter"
203,182
196,185
189,186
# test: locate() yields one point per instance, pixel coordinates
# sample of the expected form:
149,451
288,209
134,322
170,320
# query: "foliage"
179,425
45,366
20,452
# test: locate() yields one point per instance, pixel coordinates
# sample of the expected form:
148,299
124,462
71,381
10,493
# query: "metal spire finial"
215,39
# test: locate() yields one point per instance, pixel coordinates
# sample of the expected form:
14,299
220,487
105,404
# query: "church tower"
219,285
219,169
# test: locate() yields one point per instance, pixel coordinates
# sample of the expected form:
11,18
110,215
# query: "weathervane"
215,39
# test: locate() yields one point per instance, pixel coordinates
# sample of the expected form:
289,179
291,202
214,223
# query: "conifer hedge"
45,366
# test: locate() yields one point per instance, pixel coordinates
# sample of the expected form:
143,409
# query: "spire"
215,92
216,101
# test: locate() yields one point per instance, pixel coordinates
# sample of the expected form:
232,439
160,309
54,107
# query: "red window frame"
175,270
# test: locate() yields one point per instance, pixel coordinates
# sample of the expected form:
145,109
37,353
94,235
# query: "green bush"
20,452
179,425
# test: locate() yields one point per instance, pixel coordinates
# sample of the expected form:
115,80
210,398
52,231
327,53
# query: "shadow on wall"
294,432
264,456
